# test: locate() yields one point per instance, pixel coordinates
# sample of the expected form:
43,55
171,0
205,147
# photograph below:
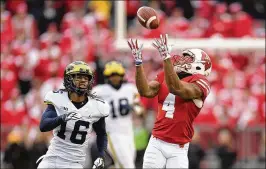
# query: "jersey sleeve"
160,77
48,99
103,107
202,82
96,90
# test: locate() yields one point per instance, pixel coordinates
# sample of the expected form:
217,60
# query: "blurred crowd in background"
39,38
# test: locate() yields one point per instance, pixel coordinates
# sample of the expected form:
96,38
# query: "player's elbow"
174,90
142,93
43,128
147,94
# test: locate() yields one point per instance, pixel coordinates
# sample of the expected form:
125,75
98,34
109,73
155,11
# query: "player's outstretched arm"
50,120
175,85
144,88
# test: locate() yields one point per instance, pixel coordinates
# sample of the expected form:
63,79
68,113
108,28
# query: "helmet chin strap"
79,93
182,75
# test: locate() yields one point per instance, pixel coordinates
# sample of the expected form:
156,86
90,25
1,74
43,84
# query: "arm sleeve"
50,120
203,84
99,128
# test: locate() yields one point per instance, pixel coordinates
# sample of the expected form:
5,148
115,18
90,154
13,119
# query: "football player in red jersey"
181,88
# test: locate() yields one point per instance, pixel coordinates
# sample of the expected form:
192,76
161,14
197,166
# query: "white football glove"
71,116
136,51
162,46
98,163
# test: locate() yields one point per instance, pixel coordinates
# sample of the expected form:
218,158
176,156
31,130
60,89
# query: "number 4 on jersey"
169,105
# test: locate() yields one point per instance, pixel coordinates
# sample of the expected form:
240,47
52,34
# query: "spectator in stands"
102,11
13,111
132,8
262,149
50,37
240,18
16,154
195,153
178,24
38,149
9,69
26,74
22,21
34,104
55,71
226,149
221,22
74,16
6,29
49,14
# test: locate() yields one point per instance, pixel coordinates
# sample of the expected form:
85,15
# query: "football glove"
136,51
98,163
162,46
71,116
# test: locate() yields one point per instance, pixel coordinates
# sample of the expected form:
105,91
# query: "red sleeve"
202,82
160,77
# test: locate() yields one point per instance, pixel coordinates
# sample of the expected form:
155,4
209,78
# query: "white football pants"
122,150
160,154
57,162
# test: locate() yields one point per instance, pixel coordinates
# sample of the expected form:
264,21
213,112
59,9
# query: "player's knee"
151,161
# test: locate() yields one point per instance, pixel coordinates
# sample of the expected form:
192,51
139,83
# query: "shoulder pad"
48,99
98,90
132,87
51,96
203,83
103,107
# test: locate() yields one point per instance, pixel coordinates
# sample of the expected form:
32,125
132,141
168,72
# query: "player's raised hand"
71,116
98,163
161,44
136,51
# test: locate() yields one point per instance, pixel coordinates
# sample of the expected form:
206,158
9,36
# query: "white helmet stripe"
202,85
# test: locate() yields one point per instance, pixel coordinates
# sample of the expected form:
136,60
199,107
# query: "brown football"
147,17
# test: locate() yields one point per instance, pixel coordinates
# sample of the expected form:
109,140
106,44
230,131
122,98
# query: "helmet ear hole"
198,68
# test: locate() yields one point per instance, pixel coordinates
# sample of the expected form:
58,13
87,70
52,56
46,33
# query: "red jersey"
176,115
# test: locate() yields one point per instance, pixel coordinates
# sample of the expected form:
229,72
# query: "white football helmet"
193,61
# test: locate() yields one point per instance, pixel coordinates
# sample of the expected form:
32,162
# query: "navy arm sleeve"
99,128
50,120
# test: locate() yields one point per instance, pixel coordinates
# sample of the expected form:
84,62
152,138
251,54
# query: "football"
147,17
